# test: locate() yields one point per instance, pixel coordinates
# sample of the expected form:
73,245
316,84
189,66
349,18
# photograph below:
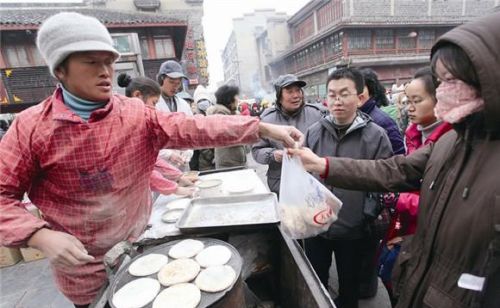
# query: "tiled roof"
34,17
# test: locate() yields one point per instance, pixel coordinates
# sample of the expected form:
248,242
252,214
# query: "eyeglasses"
408,102
341,98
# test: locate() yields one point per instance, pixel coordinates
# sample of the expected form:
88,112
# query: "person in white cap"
170,77
84,156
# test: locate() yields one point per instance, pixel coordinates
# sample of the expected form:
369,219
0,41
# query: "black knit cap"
284,81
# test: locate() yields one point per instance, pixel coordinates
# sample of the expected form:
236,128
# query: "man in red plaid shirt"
85,156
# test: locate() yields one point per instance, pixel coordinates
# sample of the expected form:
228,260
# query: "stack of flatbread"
193,262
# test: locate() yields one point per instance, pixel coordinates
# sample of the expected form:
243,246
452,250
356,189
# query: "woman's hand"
311,161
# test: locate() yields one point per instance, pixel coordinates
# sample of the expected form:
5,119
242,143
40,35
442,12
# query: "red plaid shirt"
91,179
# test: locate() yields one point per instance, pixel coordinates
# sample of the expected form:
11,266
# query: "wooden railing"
327,57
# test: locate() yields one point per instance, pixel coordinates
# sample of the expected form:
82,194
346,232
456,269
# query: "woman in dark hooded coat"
453,260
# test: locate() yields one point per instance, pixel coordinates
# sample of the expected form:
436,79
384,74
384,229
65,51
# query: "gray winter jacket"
262,151
363,140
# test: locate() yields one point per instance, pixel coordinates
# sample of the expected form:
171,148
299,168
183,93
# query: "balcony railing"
395,51
321,58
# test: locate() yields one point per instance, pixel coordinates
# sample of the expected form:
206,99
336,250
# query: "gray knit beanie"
66,33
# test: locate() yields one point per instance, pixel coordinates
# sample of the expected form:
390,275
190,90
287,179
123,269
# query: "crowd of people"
425,155
85,156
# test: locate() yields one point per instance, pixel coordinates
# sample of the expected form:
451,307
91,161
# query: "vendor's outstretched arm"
289,135
177,131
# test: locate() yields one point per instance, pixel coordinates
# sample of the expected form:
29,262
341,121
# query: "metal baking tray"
229,212
207,299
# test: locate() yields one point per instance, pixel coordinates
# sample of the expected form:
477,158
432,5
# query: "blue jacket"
387,123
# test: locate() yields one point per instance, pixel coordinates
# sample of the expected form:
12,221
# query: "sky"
217,25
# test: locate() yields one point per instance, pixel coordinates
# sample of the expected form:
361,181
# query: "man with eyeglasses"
346,132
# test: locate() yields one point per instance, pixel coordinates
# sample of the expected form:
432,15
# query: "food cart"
274,271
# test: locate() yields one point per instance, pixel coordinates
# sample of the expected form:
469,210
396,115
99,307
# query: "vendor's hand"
62,249
177,160
188,180
186,191
278,155
289,135
311,161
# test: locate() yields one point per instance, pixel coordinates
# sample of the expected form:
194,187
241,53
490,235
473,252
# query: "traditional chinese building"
393,37
194,57
145,32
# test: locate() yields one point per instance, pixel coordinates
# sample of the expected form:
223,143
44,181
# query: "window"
329,13
360,39
407,39
24,55
384,39
337,9
317,53
304,29
333,46
36,57
325,15
122,43
164,47
144,47
426,39
17,56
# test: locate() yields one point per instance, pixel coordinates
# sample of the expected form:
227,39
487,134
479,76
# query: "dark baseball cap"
171,69
284,81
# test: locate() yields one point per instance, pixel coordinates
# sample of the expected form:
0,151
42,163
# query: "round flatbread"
186,249
215,278
178,204
236,188
137,293
204,184
213,255
171,216
183,295
147,265
178,271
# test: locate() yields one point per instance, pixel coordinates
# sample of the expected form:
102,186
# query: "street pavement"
30,285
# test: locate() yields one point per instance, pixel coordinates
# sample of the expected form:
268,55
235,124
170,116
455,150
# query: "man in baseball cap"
170,77
171,69
285,81
291,110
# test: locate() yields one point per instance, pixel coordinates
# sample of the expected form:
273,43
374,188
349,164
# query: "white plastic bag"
307,208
